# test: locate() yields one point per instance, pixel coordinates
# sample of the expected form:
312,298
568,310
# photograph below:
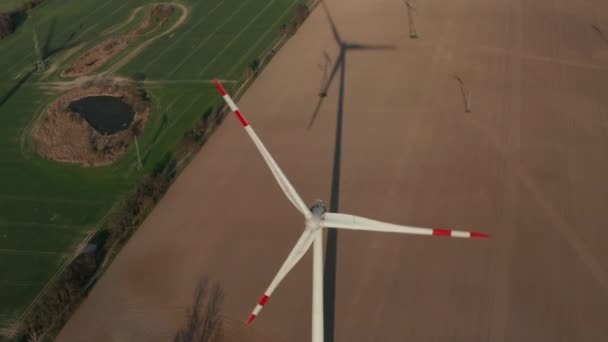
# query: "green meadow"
49,209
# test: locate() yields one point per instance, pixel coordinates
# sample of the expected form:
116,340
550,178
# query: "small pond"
106,114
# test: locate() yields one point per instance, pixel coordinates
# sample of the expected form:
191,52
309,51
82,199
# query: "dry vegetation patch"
65,136
93,59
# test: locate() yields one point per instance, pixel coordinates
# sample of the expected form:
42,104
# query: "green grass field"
7,5
47,209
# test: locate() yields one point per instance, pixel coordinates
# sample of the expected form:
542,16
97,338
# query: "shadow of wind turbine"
340,62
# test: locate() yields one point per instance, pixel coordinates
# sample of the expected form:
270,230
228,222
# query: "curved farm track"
105,52
137,50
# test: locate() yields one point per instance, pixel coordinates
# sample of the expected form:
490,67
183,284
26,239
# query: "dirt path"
108,50
527,165
121,25
133,53
57,63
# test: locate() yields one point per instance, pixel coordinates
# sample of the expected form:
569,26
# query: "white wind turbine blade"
335,220
295,255
284,183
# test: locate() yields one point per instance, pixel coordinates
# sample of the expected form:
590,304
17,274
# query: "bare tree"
34,335
205,320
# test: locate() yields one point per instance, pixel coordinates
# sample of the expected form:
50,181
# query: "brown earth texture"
393,140
99,55
64,136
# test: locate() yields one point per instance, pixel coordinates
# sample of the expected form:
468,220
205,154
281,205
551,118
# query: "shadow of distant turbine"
331,249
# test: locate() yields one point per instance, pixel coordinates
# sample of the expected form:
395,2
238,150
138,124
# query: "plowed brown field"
528,165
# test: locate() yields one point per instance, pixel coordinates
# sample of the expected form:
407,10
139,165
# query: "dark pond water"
107,114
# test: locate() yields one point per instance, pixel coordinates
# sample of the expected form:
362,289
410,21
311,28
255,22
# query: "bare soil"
96,57
528,165
64,136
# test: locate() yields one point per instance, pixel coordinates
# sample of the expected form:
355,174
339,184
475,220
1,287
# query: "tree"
254,65
205,321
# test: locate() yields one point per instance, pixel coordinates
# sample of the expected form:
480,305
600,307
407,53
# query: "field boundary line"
237,36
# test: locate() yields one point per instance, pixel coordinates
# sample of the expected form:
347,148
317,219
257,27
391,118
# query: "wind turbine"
315,219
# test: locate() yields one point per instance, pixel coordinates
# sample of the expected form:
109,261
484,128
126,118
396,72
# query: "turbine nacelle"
318,209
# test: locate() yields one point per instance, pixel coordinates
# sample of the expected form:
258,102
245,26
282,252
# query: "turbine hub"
318,209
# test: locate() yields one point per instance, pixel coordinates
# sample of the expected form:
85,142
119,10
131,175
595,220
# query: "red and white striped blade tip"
219,87
258,308
461,234
475,235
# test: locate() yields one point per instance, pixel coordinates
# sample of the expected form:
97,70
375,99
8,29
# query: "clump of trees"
302,12
137,205
204,320
203,127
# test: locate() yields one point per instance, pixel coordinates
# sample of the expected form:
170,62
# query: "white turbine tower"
315,219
